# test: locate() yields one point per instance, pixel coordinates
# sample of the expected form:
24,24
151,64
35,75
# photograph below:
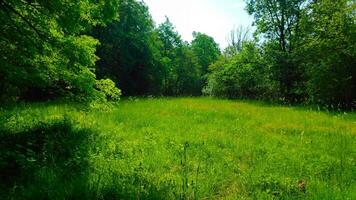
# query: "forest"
302,52
97,95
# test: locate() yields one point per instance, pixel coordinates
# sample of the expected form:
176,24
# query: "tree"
45,52
181,69
278,21
171,41
129,50
243,75
329,52
206,50
236,40
188,72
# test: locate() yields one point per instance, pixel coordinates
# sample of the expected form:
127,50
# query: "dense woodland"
303,51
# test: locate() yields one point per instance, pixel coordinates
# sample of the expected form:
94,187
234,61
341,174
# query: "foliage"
152,61
47,54
108,88
304,53
188,74
181,69
206,50
129,52
279,22
242,76
171,42
329,53
307,52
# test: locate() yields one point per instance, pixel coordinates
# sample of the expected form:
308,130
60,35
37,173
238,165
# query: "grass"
176,148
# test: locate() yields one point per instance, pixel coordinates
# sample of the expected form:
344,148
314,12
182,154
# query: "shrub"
108,89
241,76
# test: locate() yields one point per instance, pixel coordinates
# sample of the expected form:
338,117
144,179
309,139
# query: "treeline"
302,51
148,60
52,49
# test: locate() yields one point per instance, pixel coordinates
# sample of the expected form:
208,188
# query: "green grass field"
178,148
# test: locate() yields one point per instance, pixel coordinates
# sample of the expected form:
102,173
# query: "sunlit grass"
199,148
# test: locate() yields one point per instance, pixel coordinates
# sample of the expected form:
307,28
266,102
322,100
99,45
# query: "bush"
241,76
108,89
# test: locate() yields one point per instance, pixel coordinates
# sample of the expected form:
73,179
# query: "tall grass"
178,148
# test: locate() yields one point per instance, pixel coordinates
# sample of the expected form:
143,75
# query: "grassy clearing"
179,148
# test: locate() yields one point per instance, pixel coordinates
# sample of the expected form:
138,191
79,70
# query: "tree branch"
8,7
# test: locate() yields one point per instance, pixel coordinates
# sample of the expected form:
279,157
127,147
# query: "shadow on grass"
43,162
347,114
51,161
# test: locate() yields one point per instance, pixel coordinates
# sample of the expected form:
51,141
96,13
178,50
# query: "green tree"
171,41
44,51
278,22
206,50
329,52
188,81
129,50
181,68
243,75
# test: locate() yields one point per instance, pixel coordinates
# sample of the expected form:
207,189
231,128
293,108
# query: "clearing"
176,148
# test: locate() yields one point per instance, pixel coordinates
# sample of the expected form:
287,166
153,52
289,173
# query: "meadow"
176,148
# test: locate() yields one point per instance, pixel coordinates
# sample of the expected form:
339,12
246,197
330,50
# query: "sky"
215,18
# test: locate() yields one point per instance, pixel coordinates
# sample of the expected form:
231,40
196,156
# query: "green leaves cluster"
329,52
108,88
180,65
152,60
306,53
241,76
45,52
128,50
206,49
303,51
